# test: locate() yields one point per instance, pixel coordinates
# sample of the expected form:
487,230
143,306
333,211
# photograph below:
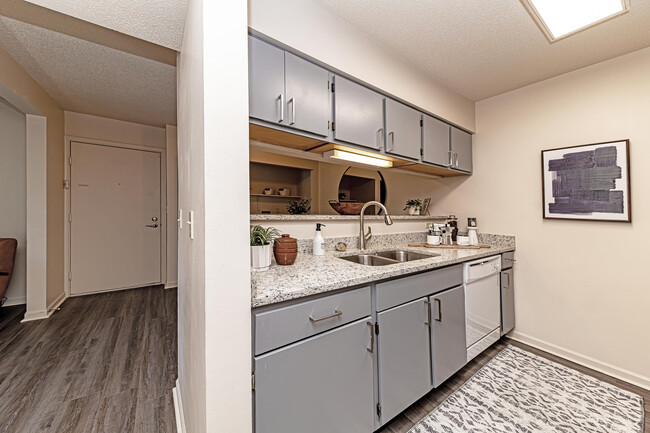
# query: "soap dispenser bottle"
319,242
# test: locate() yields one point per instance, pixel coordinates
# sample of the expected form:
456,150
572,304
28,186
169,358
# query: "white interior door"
115,218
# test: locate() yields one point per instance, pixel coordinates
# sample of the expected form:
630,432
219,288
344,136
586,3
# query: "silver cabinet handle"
439,318
506,285
153,226
336,313
281,98
371,349
380,136
456,158
428,322
392,141
450,160
292,101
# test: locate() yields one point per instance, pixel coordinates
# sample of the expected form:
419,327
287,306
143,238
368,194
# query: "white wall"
80,126
581,287
316,32
214,277
13,196
171,136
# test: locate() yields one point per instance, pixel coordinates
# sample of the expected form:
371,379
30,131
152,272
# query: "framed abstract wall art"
588,182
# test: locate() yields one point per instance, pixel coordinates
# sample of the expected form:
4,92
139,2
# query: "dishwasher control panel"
481,268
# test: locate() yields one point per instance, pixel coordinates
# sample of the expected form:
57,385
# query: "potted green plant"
262,246
414,206
299,207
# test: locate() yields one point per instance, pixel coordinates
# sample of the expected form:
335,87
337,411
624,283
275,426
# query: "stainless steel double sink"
384,258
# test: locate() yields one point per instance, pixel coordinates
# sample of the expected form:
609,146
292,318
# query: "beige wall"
316,32
18,81
581,288
13,193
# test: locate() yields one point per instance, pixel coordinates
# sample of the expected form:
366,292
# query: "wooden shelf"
276,196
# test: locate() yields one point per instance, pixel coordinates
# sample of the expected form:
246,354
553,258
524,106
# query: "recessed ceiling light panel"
561,18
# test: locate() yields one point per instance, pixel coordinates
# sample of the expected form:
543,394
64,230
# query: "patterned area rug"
519,392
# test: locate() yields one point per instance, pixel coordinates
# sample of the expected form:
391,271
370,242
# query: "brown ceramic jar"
285,250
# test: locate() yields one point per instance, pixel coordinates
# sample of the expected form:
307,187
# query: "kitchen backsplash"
390,239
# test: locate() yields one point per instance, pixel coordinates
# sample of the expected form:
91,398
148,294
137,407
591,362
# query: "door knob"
153,226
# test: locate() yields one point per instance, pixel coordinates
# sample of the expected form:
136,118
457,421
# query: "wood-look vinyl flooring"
407,419
107,363
103,363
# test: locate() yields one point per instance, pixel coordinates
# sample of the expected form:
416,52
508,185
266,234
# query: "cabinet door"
323,384
265,81
403,130
435,142
307,95
448,349
403,356
507,301
358,114
461,150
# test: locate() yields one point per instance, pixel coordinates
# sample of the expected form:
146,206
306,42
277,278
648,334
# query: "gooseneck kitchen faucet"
365,237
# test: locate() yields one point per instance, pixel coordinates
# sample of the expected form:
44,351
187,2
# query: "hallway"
103,363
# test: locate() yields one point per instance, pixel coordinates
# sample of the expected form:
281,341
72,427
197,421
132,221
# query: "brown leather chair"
7,256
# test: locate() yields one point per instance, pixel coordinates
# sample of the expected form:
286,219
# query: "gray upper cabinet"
323,384
404,356
403,130
461,150
507,301
448,349
265,81
358,114
307,95
435,142
287,90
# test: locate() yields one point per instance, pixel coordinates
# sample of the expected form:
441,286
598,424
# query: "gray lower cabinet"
358,114
403,356
435,142
266,81
507,301
307,95
323,384
461,150
403,130
448,349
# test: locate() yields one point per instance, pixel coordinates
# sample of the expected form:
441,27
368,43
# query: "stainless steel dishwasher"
482,304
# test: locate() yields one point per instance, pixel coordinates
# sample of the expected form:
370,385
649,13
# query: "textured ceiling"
157,21
483,48
89,78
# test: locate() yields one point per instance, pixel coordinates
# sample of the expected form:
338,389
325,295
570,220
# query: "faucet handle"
368,234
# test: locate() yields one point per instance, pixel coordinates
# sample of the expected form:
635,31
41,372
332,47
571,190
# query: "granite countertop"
279,217
312,275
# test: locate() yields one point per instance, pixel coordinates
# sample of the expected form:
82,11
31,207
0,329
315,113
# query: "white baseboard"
56,303
584,360
17,300
178,409
171,285
34,315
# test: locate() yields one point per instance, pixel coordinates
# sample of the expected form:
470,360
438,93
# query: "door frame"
164,217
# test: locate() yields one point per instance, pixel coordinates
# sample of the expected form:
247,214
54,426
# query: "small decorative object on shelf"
425,206
285,250
284,191
414,206
299,207
261,239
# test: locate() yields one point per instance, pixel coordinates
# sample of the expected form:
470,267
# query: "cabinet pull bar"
392,141
292,101
371,349
380,134
450,160
334,314
428,322
281,98
439,319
